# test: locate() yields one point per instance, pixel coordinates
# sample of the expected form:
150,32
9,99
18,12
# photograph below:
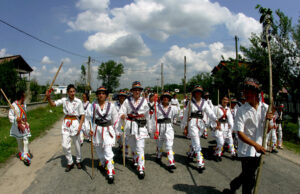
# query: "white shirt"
219,113
74,108
174,102
251,122
112,114
205,109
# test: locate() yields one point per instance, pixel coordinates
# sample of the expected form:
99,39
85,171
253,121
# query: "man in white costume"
224,134
136,111
71,126
165,131
195,128
104,117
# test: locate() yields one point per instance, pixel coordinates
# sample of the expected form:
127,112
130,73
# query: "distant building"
20,65
60,89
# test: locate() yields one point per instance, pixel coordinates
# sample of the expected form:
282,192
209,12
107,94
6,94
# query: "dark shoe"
173,167
201,169
110,179
79,165
275,151
27,161
218,158
69,168
141,175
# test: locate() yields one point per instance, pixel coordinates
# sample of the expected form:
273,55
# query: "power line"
42,41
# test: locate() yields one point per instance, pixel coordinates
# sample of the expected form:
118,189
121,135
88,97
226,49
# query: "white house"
60,89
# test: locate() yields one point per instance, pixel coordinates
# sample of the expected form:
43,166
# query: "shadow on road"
180,136
189,189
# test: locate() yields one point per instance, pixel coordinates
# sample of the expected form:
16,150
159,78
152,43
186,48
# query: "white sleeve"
114,114
12,116
123,109
89,115
230,118
185,117
58,102
239,121
81,109
210,113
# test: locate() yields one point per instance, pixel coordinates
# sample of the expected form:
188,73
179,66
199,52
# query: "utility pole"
162,77
89,73
184,77
236,49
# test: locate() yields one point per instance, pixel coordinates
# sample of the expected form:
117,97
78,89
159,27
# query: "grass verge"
39,119
290,135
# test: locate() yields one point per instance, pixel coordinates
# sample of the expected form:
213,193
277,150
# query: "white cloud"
46,60
99,5
119,43
66,60
197,45
3,53
44,67
36,73
157,19
203,61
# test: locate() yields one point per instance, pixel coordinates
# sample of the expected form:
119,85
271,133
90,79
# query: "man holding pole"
249,124
71,126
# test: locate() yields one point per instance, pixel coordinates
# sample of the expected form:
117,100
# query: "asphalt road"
279,174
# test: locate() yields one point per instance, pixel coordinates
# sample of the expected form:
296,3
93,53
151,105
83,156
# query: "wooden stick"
124,146
11,106
188,116
155,115
92,152
259,170
54,80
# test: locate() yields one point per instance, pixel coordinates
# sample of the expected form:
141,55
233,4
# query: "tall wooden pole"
236,49
258,176
89,73
162,77
184,78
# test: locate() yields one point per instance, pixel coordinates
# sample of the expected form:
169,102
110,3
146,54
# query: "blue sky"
141,34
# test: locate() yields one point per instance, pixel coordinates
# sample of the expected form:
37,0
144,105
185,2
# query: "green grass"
292,146
290,136
39,119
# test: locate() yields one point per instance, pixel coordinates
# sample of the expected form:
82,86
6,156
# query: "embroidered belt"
196,115
103,123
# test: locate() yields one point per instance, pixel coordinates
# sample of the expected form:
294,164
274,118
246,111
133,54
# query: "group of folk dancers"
141,117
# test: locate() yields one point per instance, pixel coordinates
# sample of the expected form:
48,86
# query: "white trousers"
272,133
196,148
105,155
169,149
280,135
23,145
221,138
137,147
66,144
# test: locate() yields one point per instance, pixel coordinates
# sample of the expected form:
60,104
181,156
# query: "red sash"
23,124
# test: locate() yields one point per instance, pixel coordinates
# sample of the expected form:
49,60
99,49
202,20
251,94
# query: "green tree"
83,75
230,76
35,90
284,55
8,80
110,73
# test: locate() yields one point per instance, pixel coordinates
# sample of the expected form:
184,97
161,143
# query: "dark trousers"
247,177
